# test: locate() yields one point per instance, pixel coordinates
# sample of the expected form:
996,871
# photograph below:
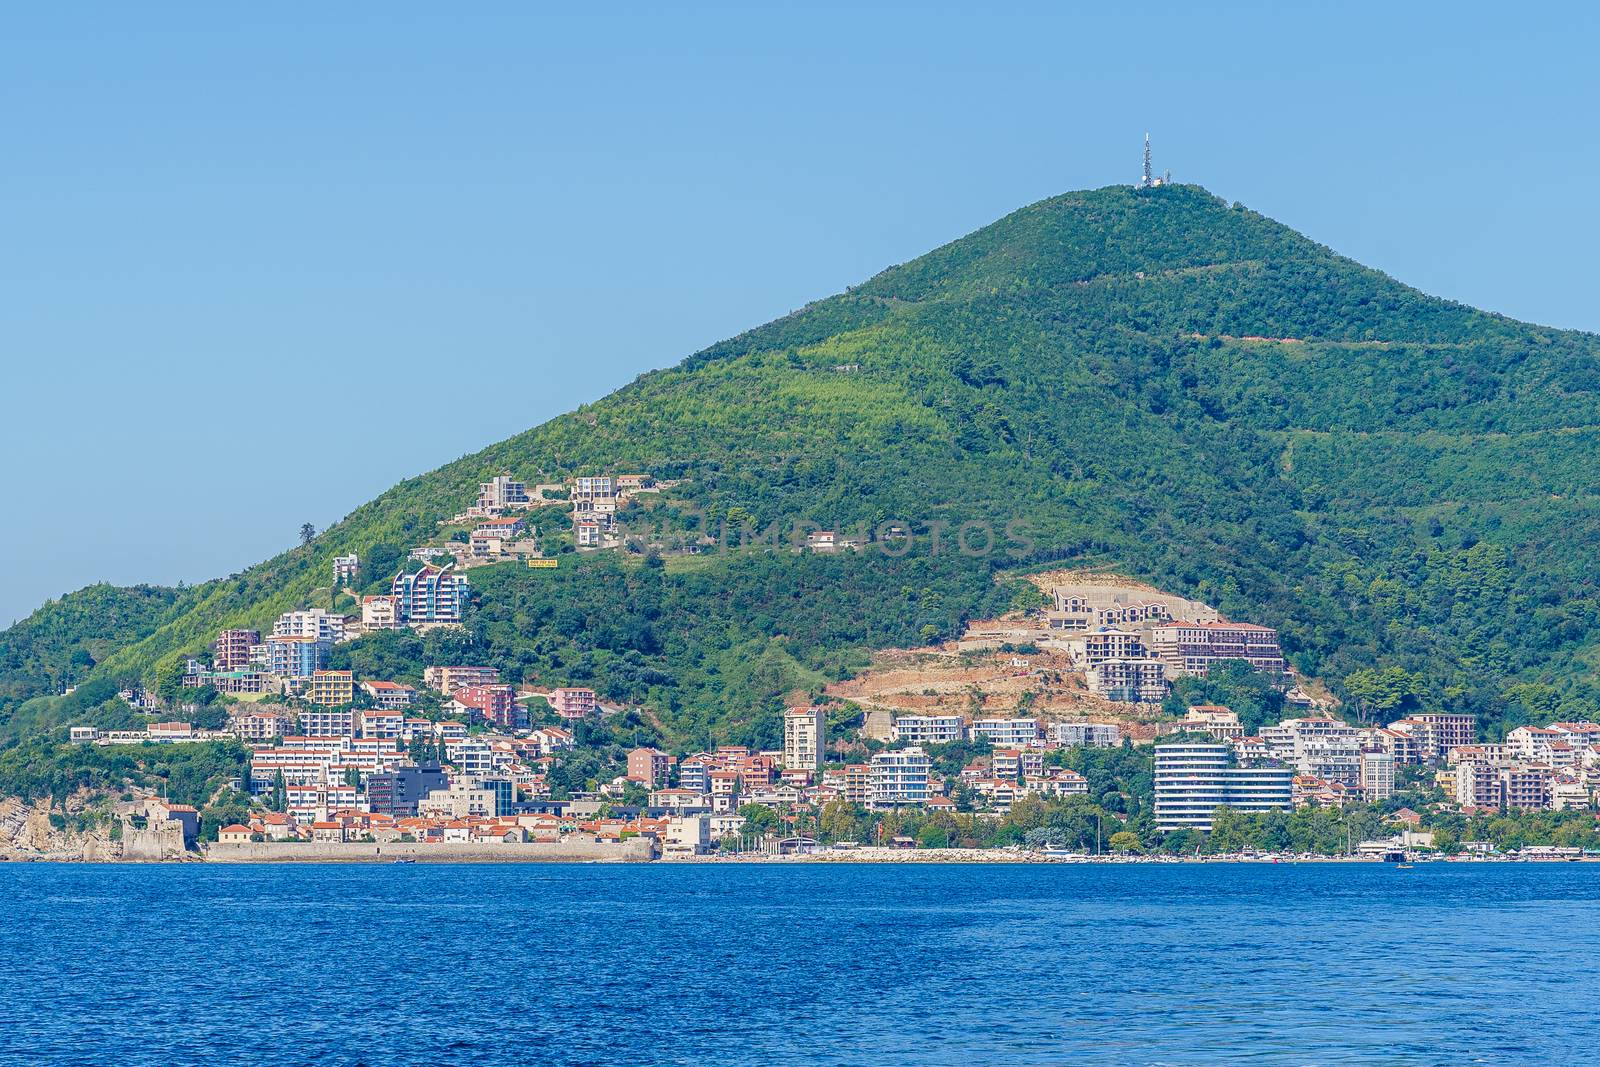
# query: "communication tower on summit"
1149,180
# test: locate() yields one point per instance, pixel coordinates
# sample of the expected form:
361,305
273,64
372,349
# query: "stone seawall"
635,850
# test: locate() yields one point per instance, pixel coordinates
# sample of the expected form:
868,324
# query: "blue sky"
236,241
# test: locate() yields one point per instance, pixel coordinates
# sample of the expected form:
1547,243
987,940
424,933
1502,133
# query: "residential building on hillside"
310,622
251,722
649,767
502,492
431,596
1436,733
1193,780
1010,733
389,695
296,655
927,729
1107,642
231,650
331,688
1129,681
1220,722
448,679
345,569
1192,647
899,778
572,702
1084,734
328,721
495,704
380,612
805,738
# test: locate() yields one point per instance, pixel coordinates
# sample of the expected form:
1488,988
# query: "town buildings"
345,569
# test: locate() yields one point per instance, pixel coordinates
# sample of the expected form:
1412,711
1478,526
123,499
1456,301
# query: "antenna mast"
1146,182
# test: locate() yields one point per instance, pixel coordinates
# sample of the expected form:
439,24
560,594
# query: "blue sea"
799,964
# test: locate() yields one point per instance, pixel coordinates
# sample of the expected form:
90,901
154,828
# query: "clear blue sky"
236,241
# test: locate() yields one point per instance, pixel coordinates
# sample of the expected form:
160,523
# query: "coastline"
596,852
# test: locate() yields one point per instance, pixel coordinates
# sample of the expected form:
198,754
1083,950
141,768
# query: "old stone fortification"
488,852
160,841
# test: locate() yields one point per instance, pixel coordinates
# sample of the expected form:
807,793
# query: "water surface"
789,964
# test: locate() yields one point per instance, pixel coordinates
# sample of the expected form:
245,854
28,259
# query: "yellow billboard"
542,564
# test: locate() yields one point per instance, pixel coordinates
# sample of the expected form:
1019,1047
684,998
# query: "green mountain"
1154,379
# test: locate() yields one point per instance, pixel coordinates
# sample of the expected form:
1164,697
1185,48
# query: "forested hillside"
1153,379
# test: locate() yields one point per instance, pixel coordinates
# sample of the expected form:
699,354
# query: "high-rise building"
804,739
1377,775
1193,780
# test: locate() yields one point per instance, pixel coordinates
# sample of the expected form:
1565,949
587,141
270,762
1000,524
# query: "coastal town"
463,756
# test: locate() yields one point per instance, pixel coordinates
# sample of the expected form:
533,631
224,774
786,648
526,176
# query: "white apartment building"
310,622
899,778
1193,780
804,739
927,729
1377,775
1006,733
380,612
1214,719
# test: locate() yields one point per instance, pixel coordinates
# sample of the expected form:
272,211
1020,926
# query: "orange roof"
235,829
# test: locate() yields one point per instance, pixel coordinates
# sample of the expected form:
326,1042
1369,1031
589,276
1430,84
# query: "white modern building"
927,729
1193,780
899,777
